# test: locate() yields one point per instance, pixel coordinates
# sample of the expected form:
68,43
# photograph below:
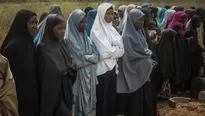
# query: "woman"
133,81
8,97
56,10
110,48
160,16
90,20
167,19
54,69
121,11
195,48
127,10
19,49
85,57
180,17
190,13
166,67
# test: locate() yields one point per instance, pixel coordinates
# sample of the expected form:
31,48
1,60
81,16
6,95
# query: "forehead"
109,11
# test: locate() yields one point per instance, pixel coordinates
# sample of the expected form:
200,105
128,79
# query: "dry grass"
9,10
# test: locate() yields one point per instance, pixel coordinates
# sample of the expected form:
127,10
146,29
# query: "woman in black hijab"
195,48
18,47
54,69
166,66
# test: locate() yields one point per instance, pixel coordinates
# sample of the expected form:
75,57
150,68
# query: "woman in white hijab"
110,48
128,9
121,11
167,19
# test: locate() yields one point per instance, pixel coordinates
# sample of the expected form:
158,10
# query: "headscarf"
87,9
85,57
106,38
128,9
158,18
19,28
43,16
190,13
193,22
90,20
167,19
8,97
177,16
123,9
136,58
56,10
146,5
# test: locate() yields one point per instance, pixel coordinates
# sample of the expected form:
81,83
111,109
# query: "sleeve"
106,50
50,87
134,50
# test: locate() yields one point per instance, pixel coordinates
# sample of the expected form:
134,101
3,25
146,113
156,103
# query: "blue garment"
36,39
145,5
90,20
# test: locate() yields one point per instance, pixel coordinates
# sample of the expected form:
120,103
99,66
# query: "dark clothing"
54,72
106,94
138,103
55,86
19,49
195,52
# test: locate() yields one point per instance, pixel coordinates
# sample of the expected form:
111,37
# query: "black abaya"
19,49
106,94
54,72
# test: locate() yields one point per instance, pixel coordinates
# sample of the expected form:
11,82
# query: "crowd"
103,61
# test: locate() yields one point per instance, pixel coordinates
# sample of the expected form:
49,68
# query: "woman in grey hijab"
85,57
135,67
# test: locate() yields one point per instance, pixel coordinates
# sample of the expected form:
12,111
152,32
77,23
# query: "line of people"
103,61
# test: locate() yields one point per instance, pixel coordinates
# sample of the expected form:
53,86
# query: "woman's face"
32,26
120,13
183,19
59,30
82,25
140,23
109,15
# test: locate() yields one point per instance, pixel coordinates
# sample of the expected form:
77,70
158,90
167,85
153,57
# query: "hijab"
136,58
90,20
146,5
19,28
123,9
190,13
161,11
193,23
177,16
128,9
50,43
85,57
167,19
165,52
43,16
107,40
87,9
56,10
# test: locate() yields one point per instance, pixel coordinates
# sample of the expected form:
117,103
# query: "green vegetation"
9,10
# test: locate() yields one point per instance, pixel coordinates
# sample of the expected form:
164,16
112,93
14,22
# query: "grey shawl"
136,65
85,58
